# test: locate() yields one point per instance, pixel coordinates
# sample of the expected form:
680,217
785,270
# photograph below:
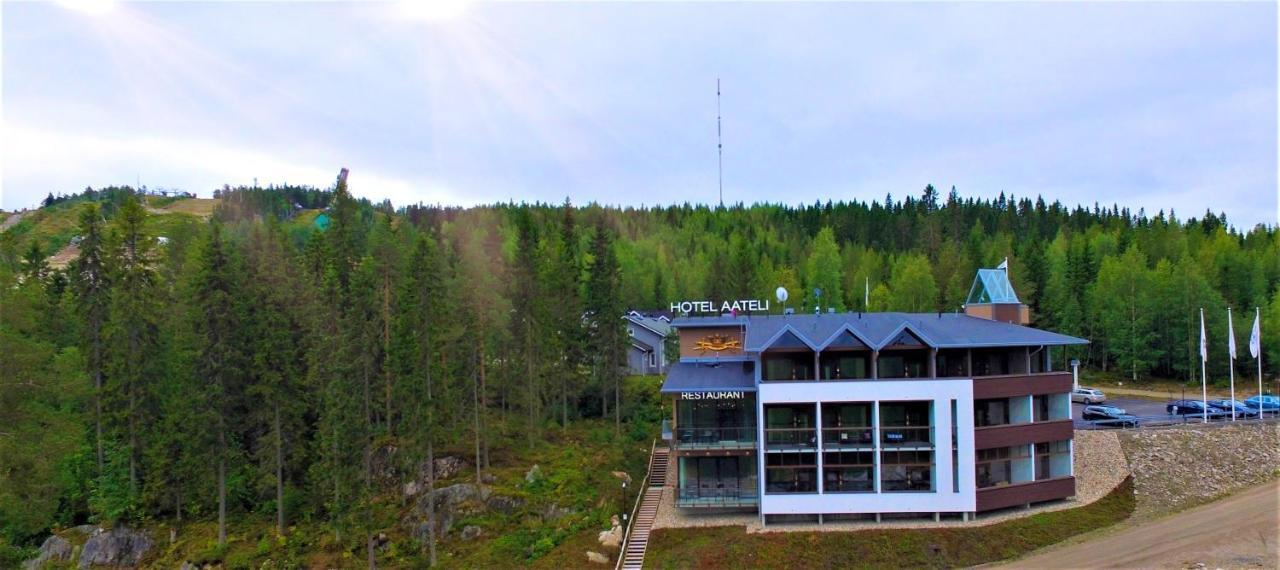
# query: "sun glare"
432,11
92,7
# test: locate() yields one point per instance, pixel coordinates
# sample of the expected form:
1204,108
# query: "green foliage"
731,547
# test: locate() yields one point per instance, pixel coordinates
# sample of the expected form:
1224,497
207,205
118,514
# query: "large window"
846,425
953,363
788,366
717,480
716,422
791,472
790,426
993,412
906,470
845,365
1053,459
906,424
908,364
848,471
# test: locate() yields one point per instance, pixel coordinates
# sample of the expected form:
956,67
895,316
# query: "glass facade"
788,366
791,472
845,365
716,423
718,481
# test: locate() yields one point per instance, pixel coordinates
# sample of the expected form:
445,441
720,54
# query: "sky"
1152,106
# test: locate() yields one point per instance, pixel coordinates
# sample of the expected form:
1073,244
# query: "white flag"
1255,338
1231,336
1204,345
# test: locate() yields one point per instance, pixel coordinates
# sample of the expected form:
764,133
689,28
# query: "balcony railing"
715,437
906,436
718,497
848,438
791,438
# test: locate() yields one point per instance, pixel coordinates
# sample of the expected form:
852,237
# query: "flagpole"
1257,321
1231,361
1204,386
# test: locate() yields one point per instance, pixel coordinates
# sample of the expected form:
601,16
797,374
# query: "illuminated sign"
730,395
750,305
717,343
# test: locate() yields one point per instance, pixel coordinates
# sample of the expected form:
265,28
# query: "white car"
1088,396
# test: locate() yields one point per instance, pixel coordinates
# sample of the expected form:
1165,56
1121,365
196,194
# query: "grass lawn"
731,547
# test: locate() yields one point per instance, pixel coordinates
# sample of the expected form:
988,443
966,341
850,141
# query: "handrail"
626,533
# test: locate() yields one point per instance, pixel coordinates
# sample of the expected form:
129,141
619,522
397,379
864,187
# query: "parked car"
1267,402
1192,408
1241,409
1110,415
1088,396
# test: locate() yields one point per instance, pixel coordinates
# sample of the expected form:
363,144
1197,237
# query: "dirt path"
1240,531
11,221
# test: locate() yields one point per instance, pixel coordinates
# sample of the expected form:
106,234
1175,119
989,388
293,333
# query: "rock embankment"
1179,467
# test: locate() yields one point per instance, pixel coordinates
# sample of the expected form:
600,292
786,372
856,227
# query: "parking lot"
1151,412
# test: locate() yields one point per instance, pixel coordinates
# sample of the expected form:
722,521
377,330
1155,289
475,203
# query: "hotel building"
828,416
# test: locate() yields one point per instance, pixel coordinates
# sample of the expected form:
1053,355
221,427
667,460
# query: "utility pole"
719,145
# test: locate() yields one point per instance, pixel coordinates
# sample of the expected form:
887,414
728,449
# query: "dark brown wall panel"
1020,434
1023,493
1021,385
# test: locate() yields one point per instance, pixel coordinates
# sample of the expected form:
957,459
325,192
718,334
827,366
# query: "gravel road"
1240,531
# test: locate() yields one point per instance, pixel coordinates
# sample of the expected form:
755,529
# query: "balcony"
1024,493
848,438
718,497
790,438
715,437
906,437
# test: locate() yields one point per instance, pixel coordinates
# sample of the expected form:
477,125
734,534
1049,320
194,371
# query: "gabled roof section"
876,330
788,337
848,338
991,286
905,336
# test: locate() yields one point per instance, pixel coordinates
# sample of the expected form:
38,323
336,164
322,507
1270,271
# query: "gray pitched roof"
946,330
658,326
698,377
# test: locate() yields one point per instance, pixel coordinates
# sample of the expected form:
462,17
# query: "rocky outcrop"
451,503
1179,467
612,538
504,504
447,467
119,546
597,558
54,549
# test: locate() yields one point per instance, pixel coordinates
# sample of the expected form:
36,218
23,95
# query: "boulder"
622,476
597,558
611,538
119,546
471,532
382,464
54,549
534,474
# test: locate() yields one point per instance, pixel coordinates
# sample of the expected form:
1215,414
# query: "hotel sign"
750,305
728,395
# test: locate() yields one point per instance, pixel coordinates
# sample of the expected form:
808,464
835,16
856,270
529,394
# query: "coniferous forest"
257,363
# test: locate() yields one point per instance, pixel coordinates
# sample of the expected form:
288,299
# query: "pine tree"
91,287
604,311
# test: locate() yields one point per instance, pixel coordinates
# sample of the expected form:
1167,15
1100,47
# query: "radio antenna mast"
719,146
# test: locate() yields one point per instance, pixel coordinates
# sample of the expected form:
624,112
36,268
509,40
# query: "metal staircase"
637,540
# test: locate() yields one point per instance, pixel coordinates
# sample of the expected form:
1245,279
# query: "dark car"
1242,410
1192,408
1110,415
